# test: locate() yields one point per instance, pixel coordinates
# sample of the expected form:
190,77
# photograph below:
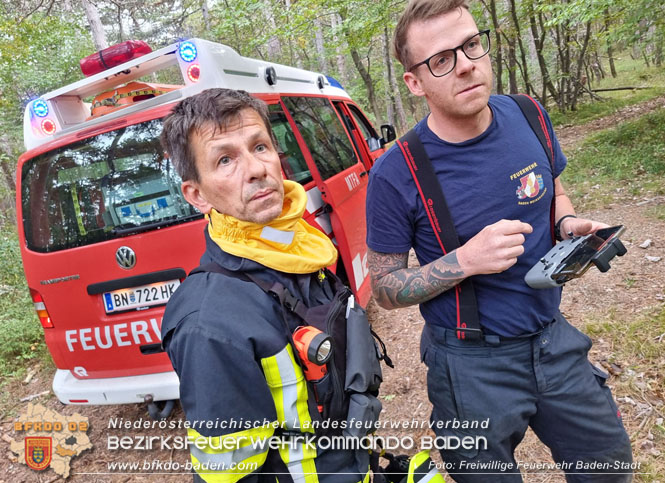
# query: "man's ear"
413,83
192,193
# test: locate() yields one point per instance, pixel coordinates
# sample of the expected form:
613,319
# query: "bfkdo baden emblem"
38,452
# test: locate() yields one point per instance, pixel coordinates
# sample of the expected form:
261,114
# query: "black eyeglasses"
444,62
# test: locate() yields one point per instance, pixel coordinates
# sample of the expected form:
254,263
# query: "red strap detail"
552,215
412,167
460,333
543,126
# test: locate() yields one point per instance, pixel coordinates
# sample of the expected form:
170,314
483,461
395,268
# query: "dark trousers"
544,381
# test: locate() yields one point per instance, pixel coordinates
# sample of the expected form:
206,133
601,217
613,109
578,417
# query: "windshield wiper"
123,230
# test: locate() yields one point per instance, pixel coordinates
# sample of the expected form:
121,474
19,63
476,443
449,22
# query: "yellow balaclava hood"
288,243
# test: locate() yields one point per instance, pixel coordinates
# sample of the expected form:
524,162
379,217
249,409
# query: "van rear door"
341,178
107,241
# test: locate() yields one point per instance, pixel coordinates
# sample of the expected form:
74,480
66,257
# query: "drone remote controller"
572,258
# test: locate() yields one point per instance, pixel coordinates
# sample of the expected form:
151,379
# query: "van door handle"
147,349
364,173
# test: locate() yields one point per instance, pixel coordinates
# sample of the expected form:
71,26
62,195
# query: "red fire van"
106,236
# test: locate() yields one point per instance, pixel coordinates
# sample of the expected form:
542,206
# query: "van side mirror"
387,133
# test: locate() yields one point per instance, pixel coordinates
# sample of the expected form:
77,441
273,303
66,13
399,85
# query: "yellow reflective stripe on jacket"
228,458
289,391
301,468
423,470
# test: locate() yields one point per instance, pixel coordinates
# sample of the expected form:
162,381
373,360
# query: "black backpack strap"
277,290
468,324
216,268
534,115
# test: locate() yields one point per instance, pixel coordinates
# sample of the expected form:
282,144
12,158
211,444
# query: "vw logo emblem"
125,257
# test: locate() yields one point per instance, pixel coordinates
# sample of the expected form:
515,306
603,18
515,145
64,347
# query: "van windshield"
101,188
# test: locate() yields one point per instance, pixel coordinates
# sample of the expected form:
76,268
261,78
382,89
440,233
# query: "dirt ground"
634,285
570,135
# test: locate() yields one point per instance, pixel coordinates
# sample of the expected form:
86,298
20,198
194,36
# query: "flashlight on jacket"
314,348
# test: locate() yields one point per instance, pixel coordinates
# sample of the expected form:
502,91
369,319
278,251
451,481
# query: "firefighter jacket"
240,383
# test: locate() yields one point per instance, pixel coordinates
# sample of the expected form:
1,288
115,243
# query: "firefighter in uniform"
240,383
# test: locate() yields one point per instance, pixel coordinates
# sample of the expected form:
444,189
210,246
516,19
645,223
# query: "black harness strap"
216,268
431,194
468,325
277,290
534,115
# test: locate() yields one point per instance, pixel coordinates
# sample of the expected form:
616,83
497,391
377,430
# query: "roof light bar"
112,56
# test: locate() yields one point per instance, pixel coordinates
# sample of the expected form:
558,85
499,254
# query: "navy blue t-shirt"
502,174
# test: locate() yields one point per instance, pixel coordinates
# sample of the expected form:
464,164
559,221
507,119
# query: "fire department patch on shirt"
530,186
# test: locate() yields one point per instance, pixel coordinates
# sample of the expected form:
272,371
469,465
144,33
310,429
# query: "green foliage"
7,193
637,348
37,54
159,22
656,212
639,21
575,11
630,72
11,270
236,25
596,109
637,340
39,51
631,150
628,159
21,335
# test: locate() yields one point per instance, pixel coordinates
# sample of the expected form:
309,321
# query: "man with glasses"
529,368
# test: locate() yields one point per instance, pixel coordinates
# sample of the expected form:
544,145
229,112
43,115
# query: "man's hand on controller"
571,227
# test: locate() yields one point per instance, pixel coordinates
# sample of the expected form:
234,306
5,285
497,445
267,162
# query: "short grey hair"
219,107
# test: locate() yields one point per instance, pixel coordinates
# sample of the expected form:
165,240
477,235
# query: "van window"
101,188
373,141
293,162
325,136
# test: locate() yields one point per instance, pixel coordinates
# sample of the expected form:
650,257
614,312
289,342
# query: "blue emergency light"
334,82
187,51
40,108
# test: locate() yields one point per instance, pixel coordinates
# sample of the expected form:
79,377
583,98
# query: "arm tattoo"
395,285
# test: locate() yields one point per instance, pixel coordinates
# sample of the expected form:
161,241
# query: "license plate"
137,297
